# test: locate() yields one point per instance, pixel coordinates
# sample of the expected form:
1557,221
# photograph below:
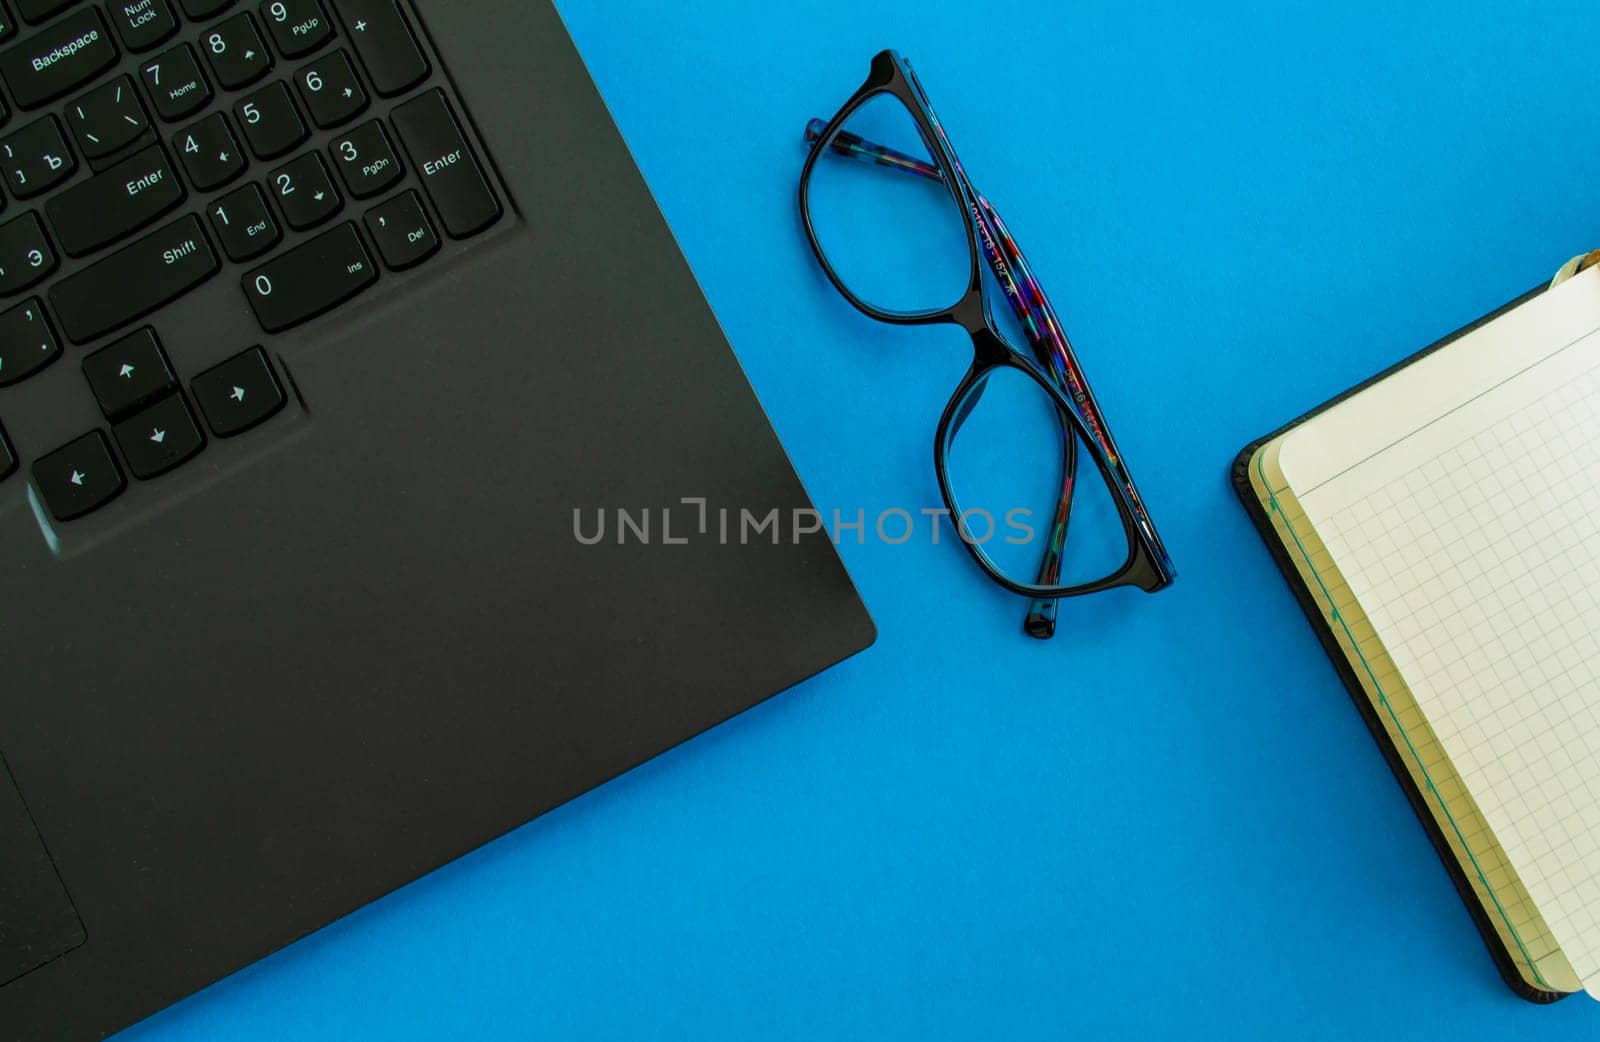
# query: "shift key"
134,281
450,172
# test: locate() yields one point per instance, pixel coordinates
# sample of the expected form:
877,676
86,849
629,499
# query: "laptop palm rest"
37,920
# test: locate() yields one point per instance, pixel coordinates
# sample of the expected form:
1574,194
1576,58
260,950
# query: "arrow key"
159,438
130,373
79,478
238,394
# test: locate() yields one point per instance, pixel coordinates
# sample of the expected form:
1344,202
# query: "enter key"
118,202
450,172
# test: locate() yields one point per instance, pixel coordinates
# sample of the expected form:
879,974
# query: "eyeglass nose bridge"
988,347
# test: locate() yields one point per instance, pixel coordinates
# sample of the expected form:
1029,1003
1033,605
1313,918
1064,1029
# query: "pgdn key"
310,279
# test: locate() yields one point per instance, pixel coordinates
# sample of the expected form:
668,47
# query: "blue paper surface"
1169,822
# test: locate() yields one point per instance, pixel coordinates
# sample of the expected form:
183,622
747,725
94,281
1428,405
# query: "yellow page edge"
1337,618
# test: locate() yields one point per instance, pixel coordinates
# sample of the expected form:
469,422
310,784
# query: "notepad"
1442,525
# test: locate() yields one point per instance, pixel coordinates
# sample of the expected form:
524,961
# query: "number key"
270,120
330,89
244,224
305,194
175,83
36,158
366,160
209,153
235,51
297,26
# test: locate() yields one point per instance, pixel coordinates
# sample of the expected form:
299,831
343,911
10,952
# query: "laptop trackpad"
37,920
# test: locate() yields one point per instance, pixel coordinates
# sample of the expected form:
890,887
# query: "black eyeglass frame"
1147,565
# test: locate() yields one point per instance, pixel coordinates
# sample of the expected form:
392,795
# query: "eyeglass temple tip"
1041,620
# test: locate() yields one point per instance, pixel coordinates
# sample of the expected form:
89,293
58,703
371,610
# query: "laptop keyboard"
147,147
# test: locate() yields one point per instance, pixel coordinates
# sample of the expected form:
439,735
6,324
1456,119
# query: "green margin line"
1272,498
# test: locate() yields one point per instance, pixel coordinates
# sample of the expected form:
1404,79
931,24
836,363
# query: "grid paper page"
1473,544
1505,901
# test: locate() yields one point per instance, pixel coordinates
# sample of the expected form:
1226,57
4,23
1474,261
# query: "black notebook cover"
1241,484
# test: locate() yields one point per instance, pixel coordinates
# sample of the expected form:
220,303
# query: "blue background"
1169,822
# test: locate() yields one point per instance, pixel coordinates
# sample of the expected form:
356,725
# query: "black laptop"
323,325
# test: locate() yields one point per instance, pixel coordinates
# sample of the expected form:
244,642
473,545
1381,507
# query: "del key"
310,279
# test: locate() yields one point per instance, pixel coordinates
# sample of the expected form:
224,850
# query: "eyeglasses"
907,239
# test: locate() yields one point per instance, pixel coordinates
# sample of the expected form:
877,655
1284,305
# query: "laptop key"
310,279
450,172
176,86
331,90
297,26
198,9
401,228
79,478
38,10
209,152
385,44
366,161
236,52
107,118
270,120
159,438
8,457
238,394
304,191
27,343
130,373
134,281
244,224
114,203
36,158
25,254
58,59
142,23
